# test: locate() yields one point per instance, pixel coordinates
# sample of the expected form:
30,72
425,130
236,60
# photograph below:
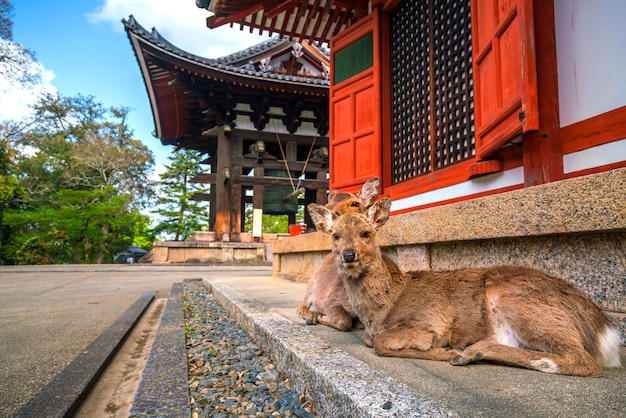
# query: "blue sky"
84,49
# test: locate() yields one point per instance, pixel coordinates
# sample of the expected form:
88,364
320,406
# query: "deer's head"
343,202
353,235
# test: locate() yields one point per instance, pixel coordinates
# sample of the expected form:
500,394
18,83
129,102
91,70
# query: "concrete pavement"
49,314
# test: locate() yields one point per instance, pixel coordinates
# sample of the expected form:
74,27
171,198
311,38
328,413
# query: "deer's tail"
609,342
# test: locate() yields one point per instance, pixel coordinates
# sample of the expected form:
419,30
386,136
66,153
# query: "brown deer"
325,300
508,314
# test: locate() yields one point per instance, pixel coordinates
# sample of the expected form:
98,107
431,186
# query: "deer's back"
463,306
449,303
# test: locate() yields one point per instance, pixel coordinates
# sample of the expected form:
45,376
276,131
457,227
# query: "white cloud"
181,23
15,97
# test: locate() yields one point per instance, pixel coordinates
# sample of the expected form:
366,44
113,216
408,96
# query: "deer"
513,315
325,300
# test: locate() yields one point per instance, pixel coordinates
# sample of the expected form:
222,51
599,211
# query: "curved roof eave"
222,68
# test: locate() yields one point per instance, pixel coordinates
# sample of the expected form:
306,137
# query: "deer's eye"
335,237
355,204
366,234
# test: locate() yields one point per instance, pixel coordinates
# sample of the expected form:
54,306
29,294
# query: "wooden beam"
201,197
260,181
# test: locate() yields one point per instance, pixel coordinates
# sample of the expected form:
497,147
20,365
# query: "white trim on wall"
508,178
610,153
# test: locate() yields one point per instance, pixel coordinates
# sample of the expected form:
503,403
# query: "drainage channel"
112,395
119,353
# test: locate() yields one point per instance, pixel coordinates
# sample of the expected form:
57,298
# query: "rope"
280,145
282,153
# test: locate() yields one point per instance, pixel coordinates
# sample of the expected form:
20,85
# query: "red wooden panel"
364,107
355,113
343,125
482,11
342,161
368,155
505,74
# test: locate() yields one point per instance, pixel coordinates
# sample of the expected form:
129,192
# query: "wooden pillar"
542,154
236,206
223,186
212,200
322,194
292,156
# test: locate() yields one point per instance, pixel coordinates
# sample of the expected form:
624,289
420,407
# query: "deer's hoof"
460,361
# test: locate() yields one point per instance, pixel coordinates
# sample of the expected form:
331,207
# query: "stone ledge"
589,204
163,389
337,383
207,244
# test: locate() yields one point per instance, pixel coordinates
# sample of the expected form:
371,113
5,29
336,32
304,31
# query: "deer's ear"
369,191
379,212
321,216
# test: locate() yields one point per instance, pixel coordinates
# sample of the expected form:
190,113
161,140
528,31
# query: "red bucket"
297,229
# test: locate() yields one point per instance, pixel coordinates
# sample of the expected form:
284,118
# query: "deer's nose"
349,256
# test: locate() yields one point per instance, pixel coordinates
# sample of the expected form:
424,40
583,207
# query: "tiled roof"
239,63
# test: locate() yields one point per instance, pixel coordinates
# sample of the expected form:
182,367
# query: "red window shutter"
355,105
505,74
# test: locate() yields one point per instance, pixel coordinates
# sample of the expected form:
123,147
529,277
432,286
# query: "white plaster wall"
591,56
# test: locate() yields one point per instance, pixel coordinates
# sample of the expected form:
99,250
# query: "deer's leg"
357,324
336,317
305,313
411,345
575,361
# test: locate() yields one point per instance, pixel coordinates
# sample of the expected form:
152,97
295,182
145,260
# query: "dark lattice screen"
433,119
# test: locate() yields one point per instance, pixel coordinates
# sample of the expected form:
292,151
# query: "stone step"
344,378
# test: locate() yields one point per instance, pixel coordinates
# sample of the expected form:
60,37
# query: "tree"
6,19
85,179
180,216
77,144
81,226
17,64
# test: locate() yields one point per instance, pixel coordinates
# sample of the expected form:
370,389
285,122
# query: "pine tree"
179,215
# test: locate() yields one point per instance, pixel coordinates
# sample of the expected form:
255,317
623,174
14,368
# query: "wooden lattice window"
432,87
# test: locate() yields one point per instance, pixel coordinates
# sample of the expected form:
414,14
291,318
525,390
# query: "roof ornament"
265,65
325,72
296,50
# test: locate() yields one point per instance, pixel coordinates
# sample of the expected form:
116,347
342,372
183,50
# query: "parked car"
131,255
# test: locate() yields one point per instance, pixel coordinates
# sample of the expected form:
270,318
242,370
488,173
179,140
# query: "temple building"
448,101
259,117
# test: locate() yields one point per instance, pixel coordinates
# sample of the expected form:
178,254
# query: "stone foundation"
209,252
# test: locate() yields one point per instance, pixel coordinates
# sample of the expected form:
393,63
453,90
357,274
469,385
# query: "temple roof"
245,64
189,94
313,20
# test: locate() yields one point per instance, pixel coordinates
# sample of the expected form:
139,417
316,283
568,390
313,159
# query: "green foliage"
81,178
180,216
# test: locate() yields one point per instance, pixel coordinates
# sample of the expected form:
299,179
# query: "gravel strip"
228,373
